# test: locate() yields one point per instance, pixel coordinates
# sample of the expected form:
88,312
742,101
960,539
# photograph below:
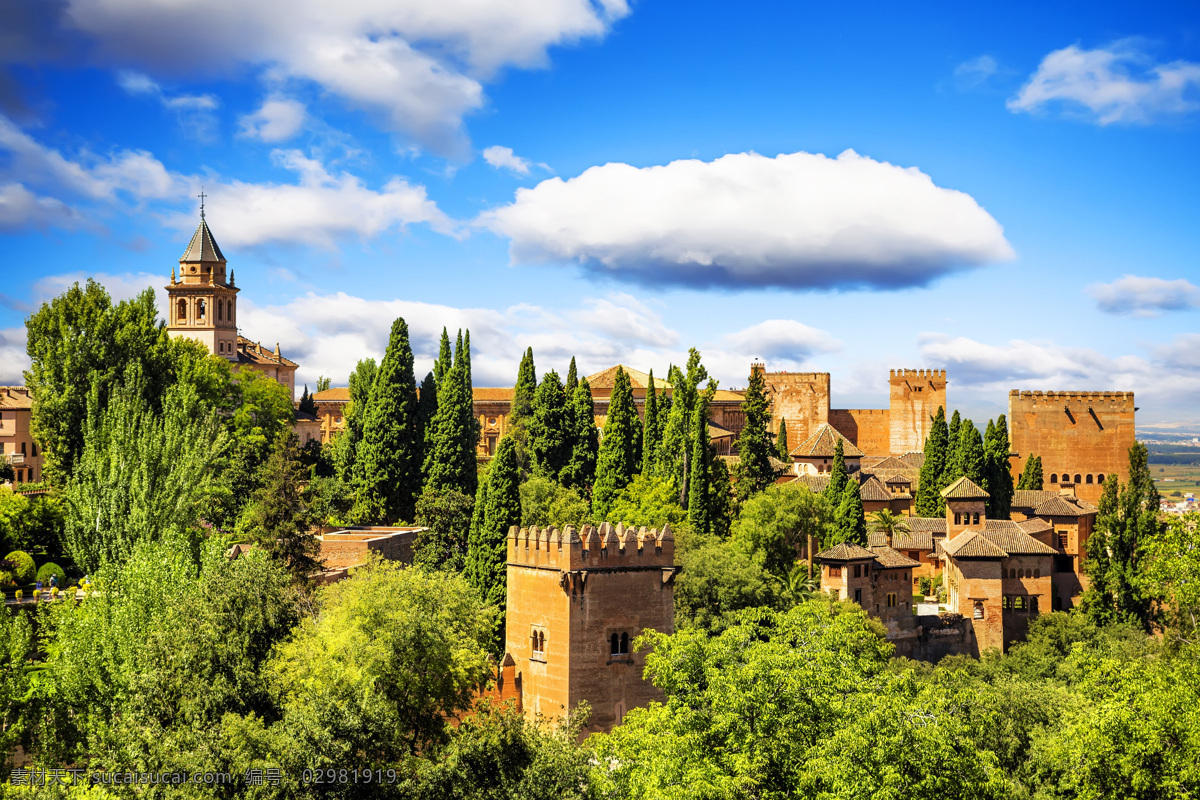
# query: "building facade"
576,602
17,446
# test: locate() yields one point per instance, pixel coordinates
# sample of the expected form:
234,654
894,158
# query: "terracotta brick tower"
915,397
576,602
202,305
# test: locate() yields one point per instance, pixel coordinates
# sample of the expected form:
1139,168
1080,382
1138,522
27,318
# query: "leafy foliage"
546,503
580,472
781,442
754,443
487,548
649,501
652,428
520,414
850,523
279,520
1031,475
21,567
929,502
616,464
346,445
997,469
550,429
448,517
450,463
837,474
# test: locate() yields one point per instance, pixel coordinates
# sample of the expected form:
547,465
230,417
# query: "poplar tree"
323,383
388,466
781,442
487,545
953,435
651,430
929,501
699,502
450,463
580,472
970,455
615,465
346,445
837,475
521,412
850,518
999,472
754,443
551,429
1031,475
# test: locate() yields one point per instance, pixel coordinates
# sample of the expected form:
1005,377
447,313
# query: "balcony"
16,459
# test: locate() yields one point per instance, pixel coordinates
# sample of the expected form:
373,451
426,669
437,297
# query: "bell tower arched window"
201,309
181,311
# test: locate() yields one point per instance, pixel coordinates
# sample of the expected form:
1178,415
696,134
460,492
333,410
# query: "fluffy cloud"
1145,297
317,210
279,119
13,358
1119,83
195,112
784,339
1166,380
504,158
21,208
797,220
416,65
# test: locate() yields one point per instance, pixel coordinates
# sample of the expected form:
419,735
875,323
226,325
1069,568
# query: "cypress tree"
754,443
651,430
851,520
580,472
615,465
551,429
721,503
781,442
487,546
929,502
450,461
346,444
1031,475
521,413
674,450
699,501
1097,600
572,379
428,405
971,460
1000,482
950,468
308,403
278,518
837,475
388,458
444,361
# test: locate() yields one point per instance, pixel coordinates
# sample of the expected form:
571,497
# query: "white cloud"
1119,83
317,210
195,112
279,119
625,318
744,220
976,71
417,65
21,208
1166,381
1145,297
504,158
785,339
13,358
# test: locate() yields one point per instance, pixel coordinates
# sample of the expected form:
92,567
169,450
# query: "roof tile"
822,443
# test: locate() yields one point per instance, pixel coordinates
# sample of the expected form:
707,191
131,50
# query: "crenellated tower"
576,601
915,395
202,303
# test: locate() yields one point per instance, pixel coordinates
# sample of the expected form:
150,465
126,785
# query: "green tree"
520,415
648,500
550,429
323,383
929,501
580,472
451,464
307,404
346,446
547,504
615,464
387,468
278,518
950,470
142,476
651,429
969,456
427,406
1173,564
679,432
849,519
445,361
838,477
778,523
572,379
722,502
1031,475
998,470
887,522
378,675
447,515
781,442
487,550
700,516
754,443
16,641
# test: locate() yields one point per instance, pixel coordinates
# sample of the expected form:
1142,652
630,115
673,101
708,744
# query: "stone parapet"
604,547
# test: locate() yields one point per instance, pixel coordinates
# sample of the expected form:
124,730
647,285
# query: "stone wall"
868,428
801,398
935,636
1075,433
915,395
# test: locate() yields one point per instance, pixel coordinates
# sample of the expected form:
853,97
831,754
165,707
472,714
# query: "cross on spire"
201,196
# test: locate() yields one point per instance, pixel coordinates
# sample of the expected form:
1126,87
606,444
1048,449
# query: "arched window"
1012,573
975,520
1053,478
615,642
624,643
1087,478
534,646
1078,478
1066,478
181,311
201,309
1033,605
1100,478
541,641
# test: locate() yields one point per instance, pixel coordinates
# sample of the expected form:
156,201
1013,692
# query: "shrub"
48,569
926,586
23,569
18,594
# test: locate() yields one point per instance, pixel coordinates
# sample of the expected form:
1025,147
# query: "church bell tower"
203,304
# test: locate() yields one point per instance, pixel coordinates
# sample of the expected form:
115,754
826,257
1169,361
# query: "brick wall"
915,395
802,398
868,428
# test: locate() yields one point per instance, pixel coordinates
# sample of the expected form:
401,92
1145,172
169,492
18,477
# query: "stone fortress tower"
576,602
203,305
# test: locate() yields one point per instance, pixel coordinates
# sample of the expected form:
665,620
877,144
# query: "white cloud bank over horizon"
1117,83
798,220
416,67
1145,297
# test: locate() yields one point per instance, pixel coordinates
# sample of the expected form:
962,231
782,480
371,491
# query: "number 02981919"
344,776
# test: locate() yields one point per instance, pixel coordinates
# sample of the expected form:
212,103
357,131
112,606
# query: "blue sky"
1005,191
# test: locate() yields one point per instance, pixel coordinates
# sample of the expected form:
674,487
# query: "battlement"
605,547
1071,395
920,374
